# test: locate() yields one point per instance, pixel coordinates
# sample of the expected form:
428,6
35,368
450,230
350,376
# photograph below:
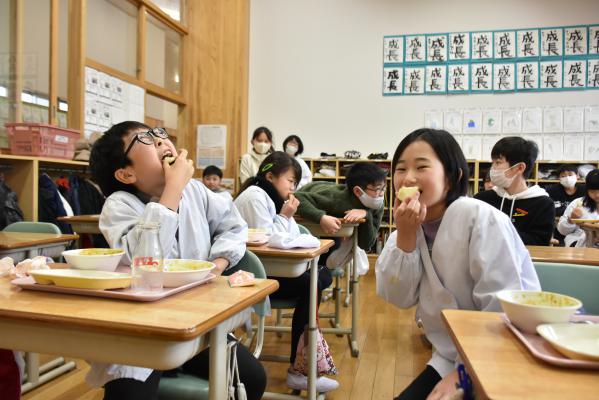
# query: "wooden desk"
83,223
592,233
293,263
566,255
502,368
160,335
22,245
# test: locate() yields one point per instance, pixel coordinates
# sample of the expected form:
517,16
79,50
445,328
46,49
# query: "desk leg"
312,329
217,378
355,288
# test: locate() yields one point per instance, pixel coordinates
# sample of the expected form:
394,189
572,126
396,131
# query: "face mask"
374,203
261,147
498,177
568,181
291,150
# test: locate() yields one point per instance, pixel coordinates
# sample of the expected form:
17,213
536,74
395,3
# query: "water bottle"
147,263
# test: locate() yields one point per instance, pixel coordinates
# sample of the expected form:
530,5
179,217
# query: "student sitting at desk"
130,164
212,177
267,201
582,208
449,251
531,210
361,197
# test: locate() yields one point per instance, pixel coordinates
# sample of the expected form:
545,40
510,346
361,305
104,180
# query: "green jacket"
326,198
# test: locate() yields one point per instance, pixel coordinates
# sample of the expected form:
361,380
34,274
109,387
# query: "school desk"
290,264
502,368
83,223
347,230
565,255
159,335
21,245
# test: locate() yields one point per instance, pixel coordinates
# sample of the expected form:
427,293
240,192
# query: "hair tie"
267,167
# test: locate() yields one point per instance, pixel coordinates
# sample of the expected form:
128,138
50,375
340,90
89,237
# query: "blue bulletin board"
494,61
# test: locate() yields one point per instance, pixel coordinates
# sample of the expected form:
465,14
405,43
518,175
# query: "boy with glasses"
361,197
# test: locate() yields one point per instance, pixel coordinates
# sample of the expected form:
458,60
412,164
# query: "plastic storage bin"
30,139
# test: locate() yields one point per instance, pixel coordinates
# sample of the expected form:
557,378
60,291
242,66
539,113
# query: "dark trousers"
299,288
251,373
422,386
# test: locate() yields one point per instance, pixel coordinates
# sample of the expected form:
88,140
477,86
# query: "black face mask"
271,191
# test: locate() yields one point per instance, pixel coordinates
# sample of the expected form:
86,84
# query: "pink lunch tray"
542,349
122,294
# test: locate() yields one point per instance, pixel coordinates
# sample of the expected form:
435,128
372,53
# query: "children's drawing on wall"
553,145
492,120
452,121
472,121
573,119
532,120
591,119
553,119
433,119
512,120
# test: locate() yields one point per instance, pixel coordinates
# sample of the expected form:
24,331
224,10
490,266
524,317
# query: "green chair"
579,281
190,387
54,252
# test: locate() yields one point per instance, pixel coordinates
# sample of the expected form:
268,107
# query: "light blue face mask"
374,203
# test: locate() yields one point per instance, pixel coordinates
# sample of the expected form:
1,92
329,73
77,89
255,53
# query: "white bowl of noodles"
179,272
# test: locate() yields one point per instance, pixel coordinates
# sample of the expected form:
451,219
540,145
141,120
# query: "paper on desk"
286,241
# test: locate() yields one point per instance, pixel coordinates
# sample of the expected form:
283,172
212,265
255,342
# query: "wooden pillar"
15,84
53,68
76,69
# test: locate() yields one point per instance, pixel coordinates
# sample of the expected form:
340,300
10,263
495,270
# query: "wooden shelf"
55,161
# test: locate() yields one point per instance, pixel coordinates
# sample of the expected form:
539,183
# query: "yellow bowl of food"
527,309
94,259
179,272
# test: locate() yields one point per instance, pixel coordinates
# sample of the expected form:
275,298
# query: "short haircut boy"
212,170
362,174
567,168
516,150
108,155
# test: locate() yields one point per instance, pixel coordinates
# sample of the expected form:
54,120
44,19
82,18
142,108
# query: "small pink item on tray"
241,278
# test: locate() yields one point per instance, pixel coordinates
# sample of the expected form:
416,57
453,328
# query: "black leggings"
251,373
299,288
422,386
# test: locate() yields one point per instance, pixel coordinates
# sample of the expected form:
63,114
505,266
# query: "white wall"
316,66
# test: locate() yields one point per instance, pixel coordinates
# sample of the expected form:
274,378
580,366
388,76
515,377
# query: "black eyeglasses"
147,138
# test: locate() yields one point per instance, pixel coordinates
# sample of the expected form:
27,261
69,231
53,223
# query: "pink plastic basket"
30,139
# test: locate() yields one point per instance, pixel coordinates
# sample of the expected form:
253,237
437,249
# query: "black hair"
567,168
276,163
450,155
363,174
516,150
262,129
108,155
591,183
487,176
212,170
300,145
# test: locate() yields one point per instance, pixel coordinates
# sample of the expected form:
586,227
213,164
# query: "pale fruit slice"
170,160
406,191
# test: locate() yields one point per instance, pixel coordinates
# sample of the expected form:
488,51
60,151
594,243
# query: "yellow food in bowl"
545,299
100,252
186,265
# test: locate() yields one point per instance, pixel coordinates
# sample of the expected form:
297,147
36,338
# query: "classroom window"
163,55
172,8
162,113
112,34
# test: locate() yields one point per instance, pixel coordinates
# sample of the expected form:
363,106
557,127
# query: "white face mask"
568,181
261,147
291,150
498,177
374,203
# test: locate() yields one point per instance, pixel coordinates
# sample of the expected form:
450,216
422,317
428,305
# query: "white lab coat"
258,210
306,173
572,232
250,162
476,253
207,226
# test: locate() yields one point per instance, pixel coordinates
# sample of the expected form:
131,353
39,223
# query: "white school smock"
258,210
208,225
250,162
572,232
306,173
476,253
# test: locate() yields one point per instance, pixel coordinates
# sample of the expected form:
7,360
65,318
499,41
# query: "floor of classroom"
392,353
